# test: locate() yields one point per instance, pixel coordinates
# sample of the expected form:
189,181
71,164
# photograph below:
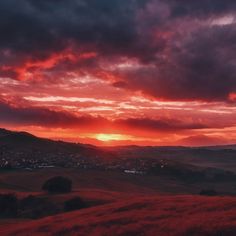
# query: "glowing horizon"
152,73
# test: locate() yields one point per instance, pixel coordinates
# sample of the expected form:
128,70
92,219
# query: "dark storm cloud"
35,30
38,116
182,55
42,117
45,26
50,25
163,125
201,67
200,7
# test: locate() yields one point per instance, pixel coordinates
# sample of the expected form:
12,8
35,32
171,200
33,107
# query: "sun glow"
111,137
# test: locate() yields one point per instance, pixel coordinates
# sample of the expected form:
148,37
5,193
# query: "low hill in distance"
21,150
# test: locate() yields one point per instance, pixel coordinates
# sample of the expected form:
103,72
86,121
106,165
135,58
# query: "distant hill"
17,139
222,147
25,140
4,132
222,157
15,146
25,149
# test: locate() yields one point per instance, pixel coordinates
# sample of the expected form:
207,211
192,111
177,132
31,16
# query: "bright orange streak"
111,137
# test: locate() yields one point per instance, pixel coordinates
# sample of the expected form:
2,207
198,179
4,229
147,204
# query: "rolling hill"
139,216
160,202
22,149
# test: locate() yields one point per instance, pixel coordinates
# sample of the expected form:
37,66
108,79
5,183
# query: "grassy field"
31,181
148,216
121,204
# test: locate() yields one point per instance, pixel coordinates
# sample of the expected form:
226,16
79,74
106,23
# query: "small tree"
57,184
73,204
8,206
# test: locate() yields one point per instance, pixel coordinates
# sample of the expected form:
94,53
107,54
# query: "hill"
146,216
21,150
24,150
24,140
222,157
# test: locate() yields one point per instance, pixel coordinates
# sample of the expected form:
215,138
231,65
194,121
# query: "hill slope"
26,150
147,216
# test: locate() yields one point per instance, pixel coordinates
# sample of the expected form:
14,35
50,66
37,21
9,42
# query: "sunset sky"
120,72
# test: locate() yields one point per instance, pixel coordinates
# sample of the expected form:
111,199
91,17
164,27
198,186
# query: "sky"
120,72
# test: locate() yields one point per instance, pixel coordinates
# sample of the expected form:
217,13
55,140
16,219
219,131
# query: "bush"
208,192
8,206
28,201
36,207
57,184
74,204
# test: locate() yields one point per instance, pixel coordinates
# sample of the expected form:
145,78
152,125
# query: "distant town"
23,151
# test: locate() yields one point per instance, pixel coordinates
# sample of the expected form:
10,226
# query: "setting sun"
146,79
111,137
117,117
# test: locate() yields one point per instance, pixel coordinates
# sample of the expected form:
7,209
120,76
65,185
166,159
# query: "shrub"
57,184
73,204
28,201
208,192
8,206
36,207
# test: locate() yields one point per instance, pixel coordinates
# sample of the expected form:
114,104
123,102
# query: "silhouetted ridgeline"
20,150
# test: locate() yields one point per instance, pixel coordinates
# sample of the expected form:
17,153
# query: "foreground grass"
148,216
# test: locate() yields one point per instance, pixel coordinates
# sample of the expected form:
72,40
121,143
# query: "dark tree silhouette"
8,206
58,184
74,204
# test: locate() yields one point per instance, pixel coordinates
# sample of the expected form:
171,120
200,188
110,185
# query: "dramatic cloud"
45,117
42,117
142,64
184,51
159,125
201,67
200,8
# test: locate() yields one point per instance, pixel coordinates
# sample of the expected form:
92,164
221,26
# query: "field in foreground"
160,215
123,205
